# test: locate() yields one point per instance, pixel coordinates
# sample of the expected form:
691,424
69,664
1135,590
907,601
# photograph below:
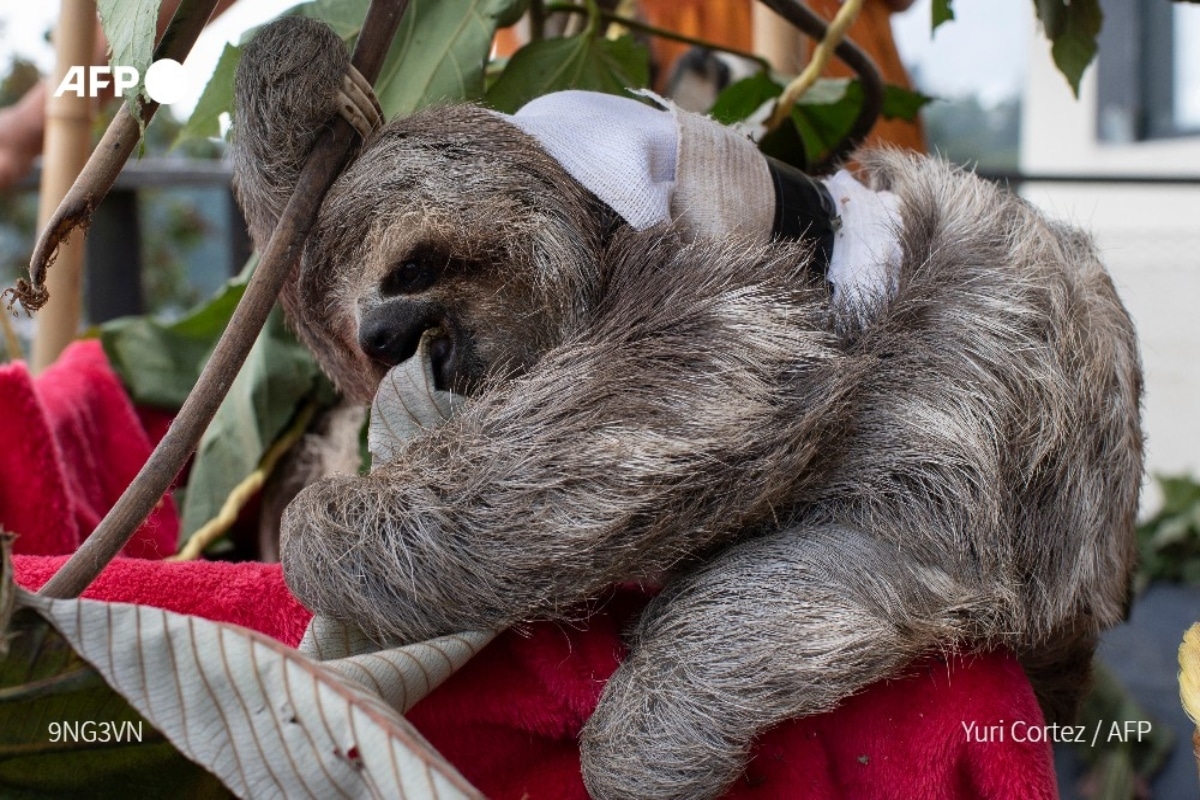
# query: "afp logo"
166,81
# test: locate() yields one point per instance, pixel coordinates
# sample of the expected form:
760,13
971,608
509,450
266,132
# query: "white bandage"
656,166
866,250
623,151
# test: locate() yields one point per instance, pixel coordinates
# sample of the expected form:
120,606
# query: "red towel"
508,720
72,443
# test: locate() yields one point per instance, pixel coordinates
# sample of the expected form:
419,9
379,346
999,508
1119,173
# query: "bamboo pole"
783,46
66,147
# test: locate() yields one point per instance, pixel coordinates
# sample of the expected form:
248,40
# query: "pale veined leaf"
407,404
265,719
402,676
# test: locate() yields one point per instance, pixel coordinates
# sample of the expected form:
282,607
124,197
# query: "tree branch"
324,165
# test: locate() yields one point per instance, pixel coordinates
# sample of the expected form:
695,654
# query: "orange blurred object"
729,23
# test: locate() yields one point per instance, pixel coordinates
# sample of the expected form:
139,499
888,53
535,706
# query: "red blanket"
509,720
72,443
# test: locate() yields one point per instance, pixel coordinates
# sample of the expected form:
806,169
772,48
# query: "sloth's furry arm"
694,403
779,626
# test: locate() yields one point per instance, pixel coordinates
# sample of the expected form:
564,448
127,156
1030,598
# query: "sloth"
823,493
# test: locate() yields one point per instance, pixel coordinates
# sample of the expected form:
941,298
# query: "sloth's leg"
777,627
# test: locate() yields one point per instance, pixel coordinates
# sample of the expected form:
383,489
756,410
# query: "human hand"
21,128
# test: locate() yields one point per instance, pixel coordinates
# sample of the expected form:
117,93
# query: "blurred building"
1138,116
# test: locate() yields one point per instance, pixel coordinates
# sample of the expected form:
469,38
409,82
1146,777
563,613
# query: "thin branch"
106,161
323,166
849,53
821,56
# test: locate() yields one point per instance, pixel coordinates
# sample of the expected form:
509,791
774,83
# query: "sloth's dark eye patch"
416,272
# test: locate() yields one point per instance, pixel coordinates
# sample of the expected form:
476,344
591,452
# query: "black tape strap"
804,209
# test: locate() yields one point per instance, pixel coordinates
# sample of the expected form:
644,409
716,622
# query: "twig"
106,161
216,527
849,53
822,53
323,166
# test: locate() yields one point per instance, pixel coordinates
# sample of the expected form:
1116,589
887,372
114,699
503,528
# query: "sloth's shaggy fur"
826,492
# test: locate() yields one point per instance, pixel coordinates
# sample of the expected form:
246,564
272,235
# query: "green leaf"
739,100
941,11
158,361
825,113
438,56
572,62
440,53
1169,542
278,376
129,27
52,702
205,121
1179,493
1072,27
901,103
785,144
820,118
344,16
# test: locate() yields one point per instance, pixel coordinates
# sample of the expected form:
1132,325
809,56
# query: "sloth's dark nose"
391,332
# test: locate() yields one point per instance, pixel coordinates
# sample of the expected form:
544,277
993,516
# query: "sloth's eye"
408,277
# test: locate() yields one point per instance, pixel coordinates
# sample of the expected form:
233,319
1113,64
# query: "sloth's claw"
358,104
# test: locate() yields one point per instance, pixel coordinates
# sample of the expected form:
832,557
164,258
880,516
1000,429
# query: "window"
1149,70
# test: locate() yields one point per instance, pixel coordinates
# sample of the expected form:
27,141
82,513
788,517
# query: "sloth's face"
453,223
483,313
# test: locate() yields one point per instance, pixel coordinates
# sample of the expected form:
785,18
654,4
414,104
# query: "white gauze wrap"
866,250
655,166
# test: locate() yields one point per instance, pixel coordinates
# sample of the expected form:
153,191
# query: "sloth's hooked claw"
358,104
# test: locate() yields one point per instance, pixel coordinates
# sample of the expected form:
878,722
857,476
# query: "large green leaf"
262,718
1072,27
940,11
1169,542
739,100
278,376
901,103
65,733
822,117
825,113
129,27
158,361
344,16
438,56
217,98
572,62
440,52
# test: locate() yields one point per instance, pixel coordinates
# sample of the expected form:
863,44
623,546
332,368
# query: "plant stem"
537,20
593,18
816,64
12,344
799,15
